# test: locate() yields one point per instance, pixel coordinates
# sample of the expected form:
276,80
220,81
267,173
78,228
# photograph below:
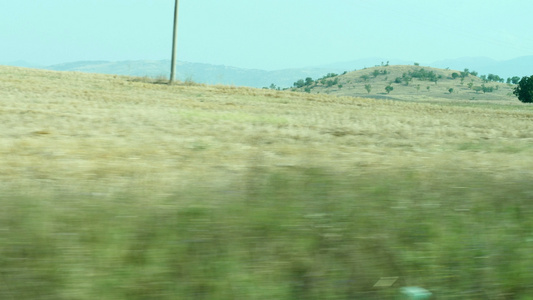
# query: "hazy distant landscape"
220,74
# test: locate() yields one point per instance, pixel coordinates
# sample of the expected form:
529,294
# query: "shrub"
368,88
389,89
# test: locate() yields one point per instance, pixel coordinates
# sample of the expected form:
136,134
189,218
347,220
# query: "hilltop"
409,82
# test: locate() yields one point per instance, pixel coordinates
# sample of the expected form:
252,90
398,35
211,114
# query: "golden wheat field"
88,133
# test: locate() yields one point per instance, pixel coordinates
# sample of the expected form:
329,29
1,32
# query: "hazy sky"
263,34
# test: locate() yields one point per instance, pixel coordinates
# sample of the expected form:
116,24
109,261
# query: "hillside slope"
423,83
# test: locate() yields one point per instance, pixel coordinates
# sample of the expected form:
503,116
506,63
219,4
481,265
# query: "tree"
455,75
515,79
368,88
465,73
389,88
524,89
450,90
300,83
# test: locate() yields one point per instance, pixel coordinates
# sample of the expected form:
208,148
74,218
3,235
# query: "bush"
422,74
300,83
368,88
524,89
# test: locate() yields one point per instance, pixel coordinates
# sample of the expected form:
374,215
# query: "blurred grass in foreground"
299,234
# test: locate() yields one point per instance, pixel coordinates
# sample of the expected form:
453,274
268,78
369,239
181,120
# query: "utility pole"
174,44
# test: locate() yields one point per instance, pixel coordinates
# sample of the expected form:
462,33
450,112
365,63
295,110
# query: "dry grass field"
122,188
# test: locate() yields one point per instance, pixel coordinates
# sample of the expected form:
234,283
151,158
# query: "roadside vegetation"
122,188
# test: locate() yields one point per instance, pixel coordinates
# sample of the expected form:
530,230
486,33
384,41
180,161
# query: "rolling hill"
410,82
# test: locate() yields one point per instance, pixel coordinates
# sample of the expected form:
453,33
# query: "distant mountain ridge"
520,66
197,72
220,74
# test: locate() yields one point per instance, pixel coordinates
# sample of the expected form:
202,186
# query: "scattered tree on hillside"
309,81
455,75
300,83
389,89
422,74
513,80
524,89
273,87
465,73
332,82
368,88
365,77
450,90
406,78
495,78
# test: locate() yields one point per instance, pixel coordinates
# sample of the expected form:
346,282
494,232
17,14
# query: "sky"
261,34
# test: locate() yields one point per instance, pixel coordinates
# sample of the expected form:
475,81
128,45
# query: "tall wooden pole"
174,44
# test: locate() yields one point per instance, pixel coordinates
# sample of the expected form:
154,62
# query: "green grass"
298,234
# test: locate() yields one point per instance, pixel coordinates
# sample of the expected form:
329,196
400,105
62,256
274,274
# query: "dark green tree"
300,83
389,89
524,89
515,79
